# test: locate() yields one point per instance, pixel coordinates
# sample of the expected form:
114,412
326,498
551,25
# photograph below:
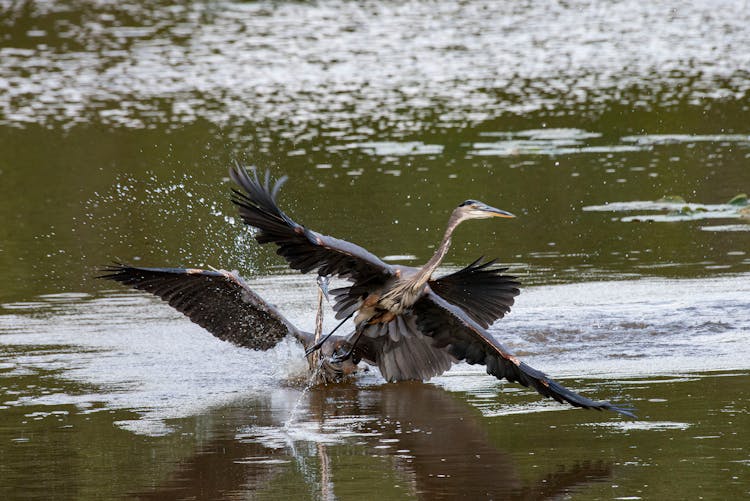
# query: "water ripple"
332,63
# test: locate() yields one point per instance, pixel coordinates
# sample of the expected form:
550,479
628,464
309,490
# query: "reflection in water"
436,445
224,468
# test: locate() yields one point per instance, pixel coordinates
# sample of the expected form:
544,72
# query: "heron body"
381,296
409,284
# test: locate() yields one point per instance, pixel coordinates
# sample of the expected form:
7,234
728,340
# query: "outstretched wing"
466,340
482,291
219,301
304,250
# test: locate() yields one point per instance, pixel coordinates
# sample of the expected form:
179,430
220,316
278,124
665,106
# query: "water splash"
207,235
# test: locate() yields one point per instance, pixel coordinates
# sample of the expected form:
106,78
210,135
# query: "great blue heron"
222,303
444,319
383,296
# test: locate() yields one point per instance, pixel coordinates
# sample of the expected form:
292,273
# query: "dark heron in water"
386,299
416,325
222,303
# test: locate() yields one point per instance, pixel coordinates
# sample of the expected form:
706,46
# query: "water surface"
588,121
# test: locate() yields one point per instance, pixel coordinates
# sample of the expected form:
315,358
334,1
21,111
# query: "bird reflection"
434,443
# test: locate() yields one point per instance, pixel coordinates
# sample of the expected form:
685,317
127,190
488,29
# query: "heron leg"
322,340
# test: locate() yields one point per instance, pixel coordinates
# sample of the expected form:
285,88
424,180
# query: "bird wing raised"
466,340
219,301
480,289
305,250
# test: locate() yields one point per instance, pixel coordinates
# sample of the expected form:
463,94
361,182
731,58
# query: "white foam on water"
626,426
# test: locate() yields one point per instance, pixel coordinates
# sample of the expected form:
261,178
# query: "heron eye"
468,202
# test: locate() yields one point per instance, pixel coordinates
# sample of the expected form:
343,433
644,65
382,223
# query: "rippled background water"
617,131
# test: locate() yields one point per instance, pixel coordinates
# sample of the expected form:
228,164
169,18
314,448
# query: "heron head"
474,209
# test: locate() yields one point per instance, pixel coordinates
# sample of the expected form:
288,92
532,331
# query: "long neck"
426,272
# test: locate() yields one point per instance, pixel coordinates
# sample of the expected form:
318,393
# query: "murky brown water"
117,124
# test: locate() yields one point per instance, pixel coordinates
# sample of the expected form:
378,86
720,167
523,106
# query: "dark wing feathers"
304,250
454,313
466,340
408,359
402,352
482,291
218,301
479,289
